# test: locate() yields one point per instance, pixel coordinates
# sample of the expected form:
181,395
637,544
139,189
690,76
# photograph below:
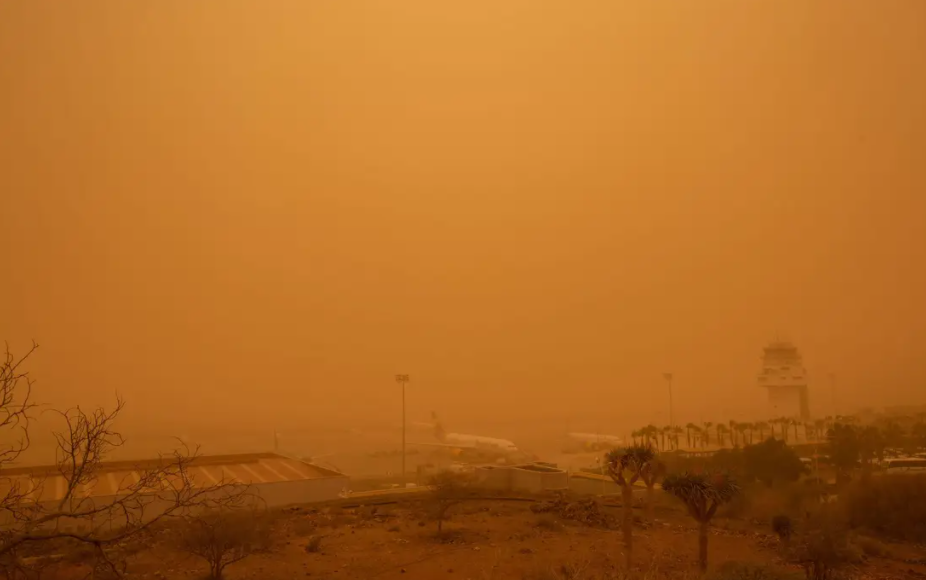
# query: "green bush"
891,506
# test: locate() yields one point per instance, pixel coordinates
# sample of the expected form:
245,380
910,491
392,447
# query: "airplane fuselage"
596,438
480,442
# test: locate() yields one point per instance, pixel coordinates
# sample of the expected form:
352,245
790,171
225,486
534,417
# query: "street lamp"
402,380
668,378
833,393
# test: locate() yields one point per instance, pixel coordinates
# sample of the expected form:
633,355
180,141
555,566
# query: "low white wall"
530,479
592,485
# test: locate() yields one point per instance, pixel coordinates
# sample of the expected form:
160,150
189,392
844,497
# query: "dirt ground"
492,539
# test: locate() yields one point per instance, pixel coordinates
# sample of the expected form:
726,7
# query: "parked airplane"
596,440
585,442
465,441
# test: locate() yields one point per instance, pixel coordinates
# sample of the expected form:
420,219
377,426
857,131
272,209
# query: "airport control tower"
784,376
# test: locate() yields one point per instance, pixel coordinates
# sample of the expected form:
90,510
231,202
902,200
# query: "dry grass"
490,540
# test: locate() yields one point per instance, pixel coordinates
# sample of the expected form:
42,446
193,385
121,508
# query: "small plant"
702,494
314,545
783,528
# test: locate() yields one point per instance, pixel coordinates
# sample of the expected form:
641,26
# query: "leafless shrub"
222,538
76,521
447,490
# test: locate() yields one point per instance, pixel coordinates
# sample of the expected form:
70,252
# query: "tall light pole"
668,378
833,393
402,380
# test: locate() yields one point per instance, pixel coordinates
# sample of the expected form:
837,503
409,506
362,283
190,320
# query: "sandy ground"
488,540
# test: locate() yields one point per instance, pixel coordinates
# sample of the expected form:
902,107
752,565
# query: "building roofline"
150,463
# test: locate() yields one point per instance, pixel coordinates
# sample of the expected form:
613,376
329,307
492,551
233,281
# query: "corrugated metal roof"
46,484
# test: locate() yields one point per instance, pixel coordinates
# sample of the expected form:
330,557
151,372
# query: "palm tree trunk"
627,524
702,546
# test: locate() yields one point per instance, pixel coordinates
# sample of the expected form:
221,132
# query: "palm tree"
732,429
819,429
720,431
667,430
626,467
652,433
689,428
742,428
761,427
706,434
650,473
702,494
795,423
676,431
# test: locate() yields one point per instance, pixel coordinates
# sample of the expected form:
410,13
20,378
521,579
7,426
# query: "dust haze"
250,216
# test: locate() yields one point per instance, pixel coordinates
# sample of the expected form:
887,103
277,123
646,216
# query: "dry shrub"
549,523
593,568
749,571
314,545
763,503
223,538
303,526
783,527
447,490
872,547
891,506
825,547
568,571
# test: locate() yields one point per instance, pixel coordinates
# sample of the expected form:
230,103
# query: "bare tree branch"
147,494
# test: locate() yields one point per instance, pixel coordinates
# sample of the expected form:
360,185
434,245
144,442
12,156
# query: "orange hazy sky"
267,208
